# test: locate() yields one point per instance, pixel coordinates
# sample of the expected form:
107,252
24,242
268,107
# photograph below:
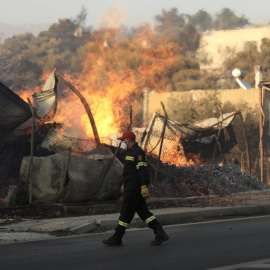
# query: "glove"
122,189
145,192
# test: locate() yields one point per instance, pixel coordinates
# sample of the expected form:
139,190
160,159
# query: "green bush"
189,110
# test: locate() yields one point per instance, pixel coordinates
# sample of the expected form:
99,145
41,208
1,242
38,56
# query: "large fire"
110,83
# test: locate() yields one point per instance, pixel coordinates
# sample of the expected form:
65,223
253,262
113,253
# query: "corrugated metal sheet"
13,113
198,130
213,122
46,100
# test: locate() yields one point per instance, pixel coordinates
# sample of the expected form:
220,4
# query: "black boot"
116,239
161,236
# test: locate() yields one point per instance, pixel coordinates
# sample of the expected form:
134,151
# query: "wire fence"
63,170
196,144
71,170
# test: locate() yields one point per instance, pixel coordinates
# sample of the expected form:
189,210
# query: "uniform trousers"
133,202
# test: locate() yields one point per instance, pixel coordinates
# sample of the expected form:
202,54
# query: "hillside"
8,30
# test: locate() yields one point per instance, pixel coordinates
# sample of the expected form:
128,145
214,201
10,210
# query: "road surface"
230,244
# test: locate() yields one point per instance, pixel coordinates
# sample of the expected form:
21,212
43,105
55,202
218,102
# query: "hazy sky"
128,12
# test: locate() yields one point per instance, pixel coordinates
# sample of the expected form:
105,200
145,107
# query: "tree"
176,28
265,54
227,19
201,20
180,30
17,67
248,58
169,19
245,60
189,110
25,58
189,38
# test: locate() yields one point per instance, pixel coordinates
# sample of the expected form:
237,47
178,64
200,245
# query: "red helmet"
127,134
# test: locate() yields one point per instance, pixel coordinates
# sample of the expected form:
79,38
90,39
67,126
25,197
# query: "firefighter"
136,178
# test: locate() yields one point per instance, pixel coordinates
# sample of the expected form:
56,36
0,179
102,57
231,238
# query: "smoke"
113,17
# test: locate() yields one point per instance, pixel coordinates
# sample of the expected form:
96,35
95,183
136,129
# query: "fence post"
162,137
148,132
261,131
215,149
246,142
32,153
267,164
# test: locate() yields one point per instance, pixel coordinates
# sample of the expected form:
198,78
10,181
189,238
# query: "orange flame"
116,71
175,156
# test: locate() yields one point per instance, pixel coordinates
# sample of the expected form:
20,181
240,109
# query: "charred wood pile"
188,181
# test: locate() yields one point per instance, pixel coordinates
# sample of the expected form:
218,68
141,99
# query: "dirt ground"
68,210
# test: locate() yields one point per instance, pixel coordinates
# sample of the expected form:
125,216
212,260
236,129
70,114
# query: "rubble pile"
191,181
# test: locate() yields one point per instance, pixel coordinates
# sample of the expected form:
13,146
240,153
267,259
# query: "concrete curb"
13,230
167,216
173,217
85,228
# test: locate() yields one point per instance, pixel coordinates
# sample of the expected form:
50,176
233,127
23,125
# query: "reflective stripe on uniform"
130,158
123,223
150,219
141,164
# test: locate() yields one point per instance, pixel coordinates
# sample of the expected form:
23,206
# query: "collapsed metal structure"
34,170
227,133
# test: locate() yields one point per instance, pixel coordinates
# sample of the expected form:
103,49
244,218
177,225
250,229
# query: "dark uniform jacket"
135,172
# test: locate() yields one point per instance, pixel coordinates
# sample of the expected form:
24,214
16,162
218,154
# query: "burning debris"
59,168
188,181
190,156
65,169
194,144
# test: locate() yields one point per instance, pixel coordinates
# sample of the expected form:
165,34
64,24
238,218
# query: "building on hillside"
218,45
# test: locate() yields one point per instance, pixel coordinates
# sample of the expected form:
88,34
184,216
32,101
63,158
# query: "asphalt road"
207,245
